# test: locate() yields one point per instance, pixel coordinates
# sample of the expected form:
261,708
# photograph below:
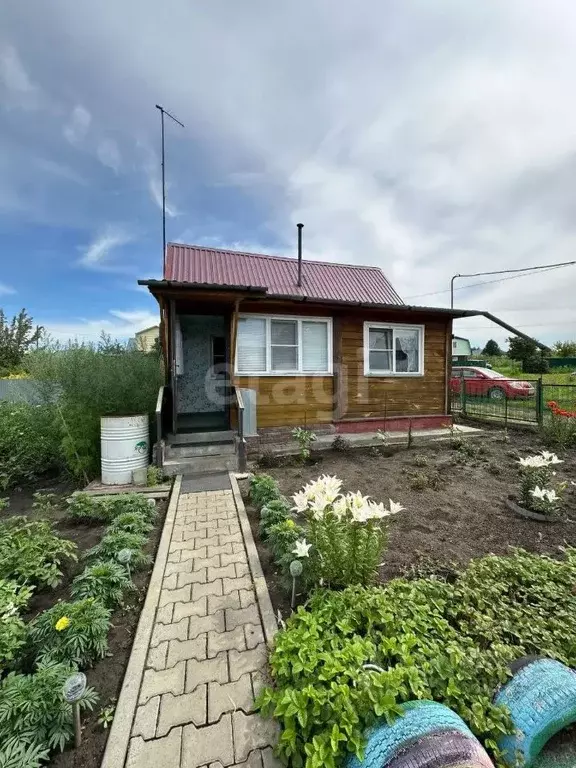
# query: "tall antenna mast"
162,113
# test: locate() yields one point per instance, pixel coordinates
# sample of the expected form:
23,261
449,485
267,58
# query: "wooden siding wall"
380,396
291,401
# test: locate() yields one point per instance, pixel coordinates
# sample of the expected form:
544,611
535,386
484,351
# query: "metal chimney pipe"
300,226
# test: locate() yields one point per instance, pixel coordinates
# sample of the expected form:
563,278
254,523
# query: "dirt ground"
454,511
107,676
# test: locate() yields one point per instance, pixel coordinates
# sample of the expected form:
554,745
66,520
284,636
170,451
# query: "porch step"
200,438
187,450
200,464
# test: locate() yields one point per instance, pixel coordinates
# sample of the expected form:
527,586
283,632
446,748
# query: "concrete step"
201,464
180,451
200,438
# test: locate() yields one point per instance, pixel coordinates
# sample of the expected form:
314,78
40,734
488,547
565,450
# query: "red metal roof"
194,264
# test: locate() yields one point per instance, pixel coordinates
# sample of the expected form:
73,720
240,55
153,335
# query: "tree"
521,349
492,349
16,337
564,349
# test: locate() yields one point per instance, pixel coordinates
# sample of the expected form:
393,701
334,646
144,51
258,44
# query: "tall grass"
89,381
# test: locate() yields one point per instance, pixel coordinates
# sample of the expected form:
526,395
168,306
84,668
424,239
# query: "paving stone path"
207,655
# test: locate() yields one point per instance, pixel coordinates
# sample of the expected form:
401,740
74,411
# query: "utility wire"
526,273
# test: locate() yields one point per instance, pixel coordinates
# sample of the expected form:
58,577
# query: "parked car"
483,382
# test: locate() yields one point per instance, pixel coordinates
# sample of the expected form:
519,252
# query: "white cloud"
120,324
109,154
78,124
96,256
12,71
6,290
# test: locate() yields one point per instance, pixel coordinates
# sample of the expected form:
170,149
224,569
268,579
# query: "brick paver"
207,656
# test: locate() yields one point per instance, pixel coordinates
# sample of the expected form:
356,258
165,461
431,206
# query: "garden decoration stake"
295,571
73,690
124,557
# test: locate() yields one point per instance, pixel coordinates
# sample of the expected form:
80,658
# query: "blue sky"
428,137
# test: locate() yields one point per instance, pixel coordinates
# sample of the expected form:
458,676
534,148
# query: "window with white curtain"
393,350
274,345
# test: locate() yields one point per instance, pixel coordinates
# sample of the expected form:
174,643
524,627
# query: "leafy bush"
535,364
263,489
105,580
29,443
34,717
86,508
31,553
73,633
114,541
304,438
348,534
93,381
133,502
45,503
13,599
447,641
282,538
154,475
130,522
559,428
274,512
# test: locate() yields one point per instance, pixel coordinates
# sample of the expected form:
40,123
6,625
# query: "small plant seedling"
341,444
304,438
45,503
154,475
420,460
106,715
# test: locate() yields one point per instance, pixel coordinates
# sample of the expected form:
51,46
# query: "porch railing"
241,439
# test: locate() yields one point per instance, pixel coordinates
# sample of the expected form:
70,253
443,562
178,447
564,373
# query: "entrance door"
203,384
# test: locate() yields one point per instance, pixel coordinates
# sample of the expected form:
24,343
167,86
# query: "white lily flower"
300,501
395,507
551,458
361,514
538,493
331,486
552,496
340,507
302,548
533,462
318,506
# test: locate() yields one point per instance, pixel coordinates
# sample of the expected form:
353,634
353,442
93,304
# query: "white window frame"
327,321
393,327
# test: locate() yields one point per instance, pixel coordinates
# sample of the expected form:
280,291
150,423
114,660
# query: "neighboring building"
250,351
461,349
146,339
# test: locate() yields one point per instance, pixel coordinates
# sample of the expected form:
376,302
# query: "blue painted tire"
443,749
541,697
388,743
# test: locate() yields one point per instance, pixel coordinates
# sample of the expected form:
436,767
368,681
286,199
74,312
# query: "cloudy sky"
427,137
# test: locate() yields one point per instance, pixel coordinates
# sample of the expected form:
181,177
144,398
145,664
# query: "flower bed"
447,635
72,610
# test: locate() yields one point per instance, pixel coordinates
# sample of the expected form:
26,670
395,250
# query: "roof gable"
277,275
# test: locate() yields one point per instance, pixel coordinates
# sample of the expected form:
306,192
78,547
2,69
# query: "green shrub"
130,522
136,503
114,541
154,475
282,538
45,503
34,717
93,380
31,553
86,508
447,641
105,580
13,599
263,489
274,512
29,443
73,633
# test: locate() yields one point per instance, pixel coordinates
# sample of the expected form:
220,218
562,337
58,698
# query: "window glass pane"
284,332
407,350
251,346
284,358
380,361
380,338
314,347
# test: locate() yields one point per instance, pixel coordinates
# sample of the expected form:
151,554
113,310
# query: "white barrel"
125,444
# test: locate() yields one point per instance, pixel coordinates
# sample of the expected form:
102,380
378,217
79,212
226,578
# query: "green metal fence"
502,404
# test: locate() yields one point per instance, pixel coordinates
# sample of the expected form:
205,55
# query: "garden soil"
107,676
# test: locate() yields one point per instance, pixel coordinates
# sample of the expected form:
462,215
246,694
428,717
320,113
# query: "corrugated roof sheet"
278,275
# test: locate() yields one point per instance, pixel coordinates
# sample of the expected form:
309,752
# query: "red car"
483,382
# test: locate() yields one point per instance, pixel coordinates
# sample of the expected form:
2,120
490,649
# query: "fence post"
463,396
539,401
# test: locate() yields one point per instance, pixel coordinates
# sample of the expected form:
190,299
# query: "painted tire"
445,749
408,734
541,697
